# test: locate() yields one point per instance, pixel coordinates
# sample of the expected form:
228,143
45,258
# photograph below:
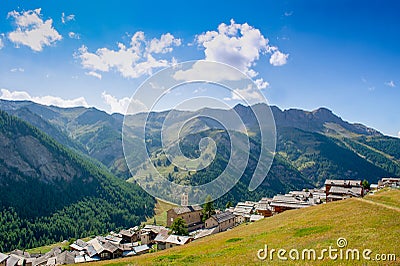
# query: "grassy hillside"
160,211
389,197
363,223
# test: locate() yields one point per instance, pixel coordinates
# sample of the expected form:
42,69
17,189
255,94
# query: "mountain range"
63,172
50,193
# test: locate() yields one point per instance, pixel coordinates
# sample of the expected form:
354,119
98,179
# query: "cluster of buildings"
343,189
136,241
393,182
22,258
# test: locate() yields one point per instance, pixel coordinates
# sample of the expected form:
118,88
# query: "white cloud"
206,71
74,35
398,134
19,69
45,100
1,43
390,84
248,94
94,74
133,61
121,105
239,45
261,84
116,105
65,19
164,44
32,31
278,58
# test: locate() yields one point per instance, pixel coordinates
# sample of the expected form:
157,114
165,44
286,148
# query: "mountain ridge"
311,146
49,192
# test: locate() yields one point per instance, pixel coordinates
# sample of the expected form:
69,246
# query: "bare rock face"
38,175
33,159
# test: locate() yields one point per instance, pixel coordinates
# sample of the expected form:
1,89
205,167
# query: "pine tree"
179,227
208,208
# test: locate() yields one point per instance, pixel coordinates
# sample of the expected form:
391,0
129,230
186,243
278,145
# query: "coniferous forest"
63,173
50,193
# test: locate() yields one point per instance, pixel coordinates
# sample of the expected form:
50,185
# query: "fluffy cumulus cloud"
121,105
1,43
164,44
261,84
32,31
116,105
133,60
45,100
248,94
239,45
278,58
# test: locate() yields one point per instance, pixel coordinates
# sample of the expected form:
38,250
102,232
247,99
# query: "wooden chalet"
130,235
285,202
342,189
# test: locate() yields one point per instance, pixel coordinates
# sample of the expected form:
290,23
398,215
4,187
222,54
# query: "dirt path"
379,204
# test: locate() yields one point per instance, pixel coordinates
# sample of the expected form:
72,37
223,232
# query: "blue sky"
343,55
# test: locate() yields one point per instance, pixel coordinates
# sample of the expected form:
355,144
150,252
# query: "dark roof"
40,260
107,246
128,246
337,197
80,243
162,236
20,253
223,216
114,239
54,252
354,191
186,209
290,201
65,258
153,228
127,233
336,182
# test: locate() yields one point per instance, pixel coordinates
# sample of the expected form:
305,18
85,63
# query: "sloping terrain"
311,145
362,223
49,193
